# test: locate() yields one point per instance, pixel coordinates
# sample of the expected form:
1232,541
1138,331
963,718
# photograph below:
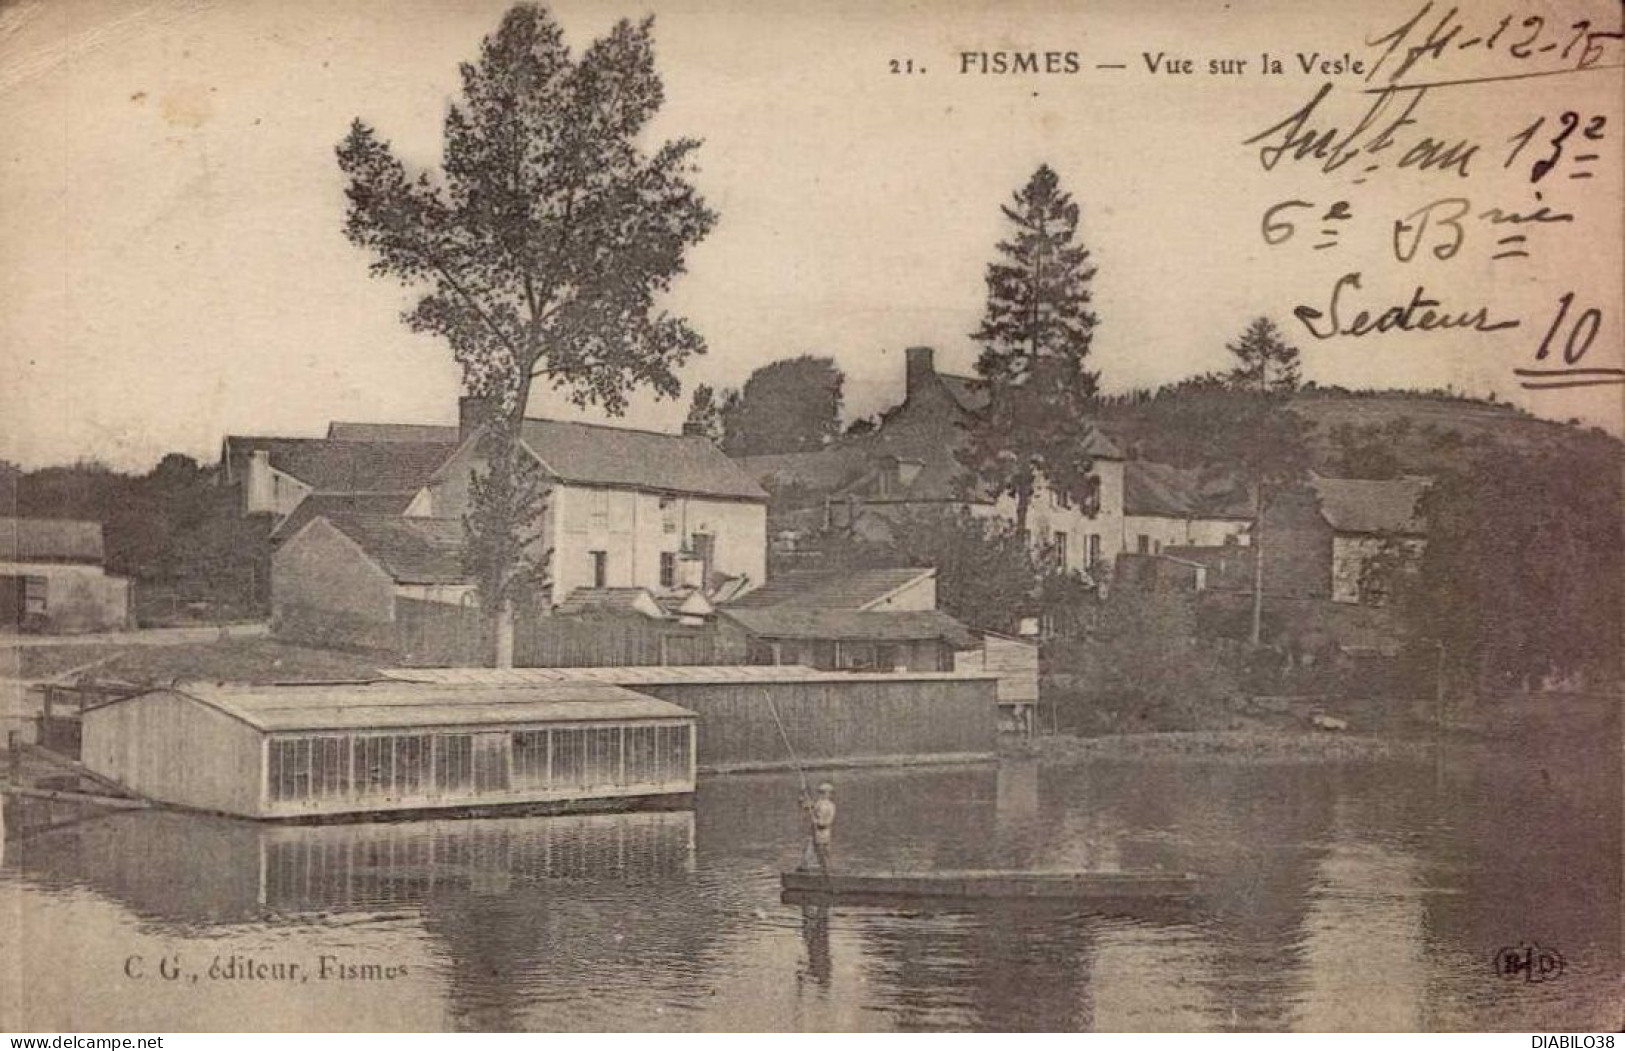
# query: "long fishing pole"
806,793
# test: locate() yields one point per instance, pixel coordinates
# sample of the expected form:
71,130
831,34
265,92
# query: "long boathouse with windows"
328,750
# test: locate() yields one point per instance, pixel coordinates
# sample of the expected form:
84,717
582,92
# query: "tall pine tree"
1262,437
1035,337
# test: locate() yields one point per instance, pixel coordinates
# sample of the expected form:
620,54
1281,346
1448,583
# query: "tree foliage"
1524,568
786,406
503,529
1261,436
548,234
1035,336
542,246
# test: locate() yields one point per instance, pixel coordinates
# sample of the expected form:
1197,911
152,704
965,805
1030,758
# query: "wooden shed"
320,750
1015,662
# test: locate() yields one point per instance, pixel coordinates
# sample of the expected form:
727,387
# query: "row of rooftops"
385,462
374,468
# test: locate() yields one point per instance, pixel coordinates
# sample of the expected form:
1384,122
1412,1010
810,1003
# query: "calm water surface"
1357,895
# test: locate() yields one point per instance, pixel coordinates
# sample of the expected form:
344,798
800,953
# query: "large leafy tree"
1035,337
1523,574
541,246
792,405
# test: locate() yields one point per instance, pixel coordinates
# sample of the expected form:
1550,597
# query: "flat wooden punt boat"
987,883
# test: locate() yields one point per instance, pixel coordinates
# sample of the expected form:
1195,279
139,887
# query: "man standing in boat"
821,816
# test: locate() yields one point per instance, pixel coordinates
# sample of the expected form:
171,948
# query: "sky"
174,267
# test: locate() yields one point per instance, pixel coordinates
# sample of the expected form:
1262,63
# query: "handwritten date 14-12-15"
1432,35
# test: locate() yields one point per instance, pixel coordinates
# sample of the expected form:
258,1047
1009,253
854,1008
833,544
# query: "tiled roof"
831,589
968,391
336,466
923,432
1357,505
318,505
820,471
592,454
890,626
1180,492
971,394
50,540
349,431
411,550
615,600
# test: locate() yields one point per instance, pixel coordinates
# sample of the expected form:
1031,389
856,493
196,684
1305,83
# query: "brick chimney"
921,367
473,410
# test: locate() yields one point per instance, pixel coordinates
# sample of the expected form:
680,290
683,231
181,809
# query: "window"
35,590
1091,500
671,753
569,758
855,656
374,765
453,763
705,549
1060,499
1059,548
1142,544
603,755
668,569
1094,549
600,568
598,503
490,762
530,758
290,769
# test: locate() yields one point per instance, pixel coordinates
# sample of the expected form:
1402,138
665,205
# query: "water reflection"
1358,895
193,869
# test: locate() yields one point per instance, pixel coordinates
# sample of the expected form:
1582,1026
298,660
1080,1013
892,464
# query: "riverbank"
1250,745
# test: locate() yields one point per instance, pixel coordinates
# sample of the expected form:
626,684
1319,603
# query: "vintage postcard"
716,516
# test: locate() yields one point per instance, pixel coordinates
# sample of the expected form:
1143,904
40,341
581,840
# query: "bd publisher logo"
1530,962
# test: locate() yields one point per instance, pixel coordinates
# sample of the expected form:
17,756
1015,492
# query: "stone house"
868,482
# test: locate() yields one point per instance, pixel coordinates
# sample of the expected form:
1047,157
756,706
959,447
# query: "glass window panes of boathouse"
402,766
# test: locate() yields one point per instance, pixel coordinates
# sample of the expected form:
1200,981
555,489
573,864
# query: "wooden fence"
432,634
830,721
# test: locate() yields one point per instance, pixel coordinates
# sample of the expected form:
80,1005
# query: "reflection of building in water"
193,869
302,751
1363,942
406,862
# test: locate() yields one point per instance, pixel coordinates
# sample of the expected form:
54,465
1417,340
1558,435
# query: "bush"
1144,670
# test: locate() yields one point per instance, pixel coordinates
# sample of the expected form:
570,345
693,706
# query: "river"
1353,895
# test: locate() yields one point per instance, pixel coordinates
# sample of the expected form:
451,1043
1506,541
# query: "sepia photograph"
697,516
